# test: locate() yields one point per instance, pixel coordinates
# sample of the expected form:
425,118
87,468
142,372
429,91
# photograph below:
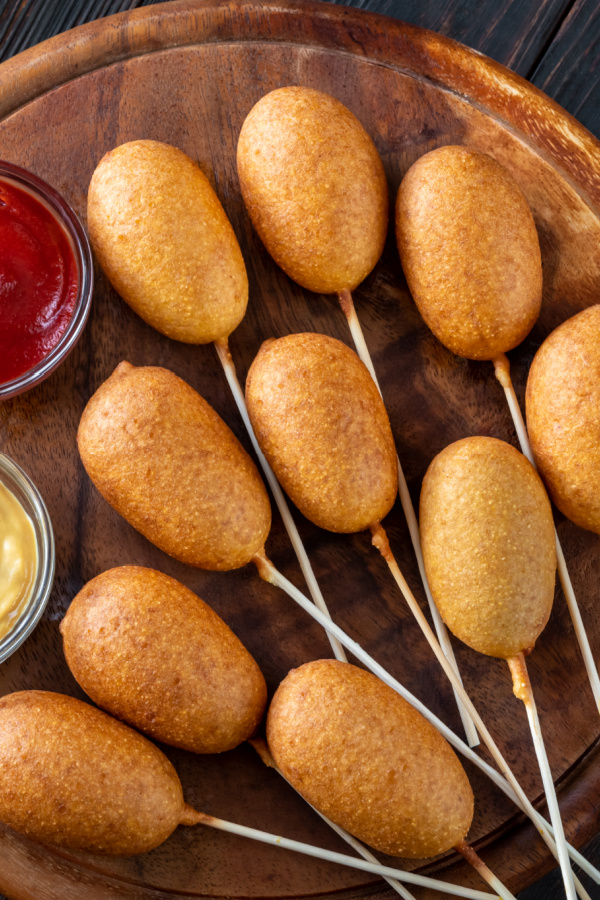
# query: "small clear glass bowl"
21,485
75,232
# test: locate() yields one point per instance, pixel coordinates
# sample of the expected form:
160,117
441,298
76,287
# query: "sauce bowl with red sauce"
46,279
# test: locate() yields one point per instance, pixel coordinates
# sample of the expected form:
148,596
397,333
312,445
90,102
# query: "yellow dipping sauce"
18,560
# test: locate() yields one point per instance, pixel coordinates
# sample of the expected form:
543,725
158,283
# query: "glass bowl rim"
70,222
12,474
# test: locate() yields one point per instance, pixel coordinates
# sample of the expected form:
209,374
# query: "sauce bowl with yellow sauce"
26,556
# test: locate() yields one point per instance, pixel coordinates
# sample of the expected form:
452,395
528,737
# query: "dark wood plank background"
553,43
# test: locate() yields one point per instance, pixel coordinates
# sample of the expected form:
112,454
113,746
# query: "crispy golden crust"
165,243
162,457
488,544
149,651
563,416
470,251
322,425
366,759
71,775
315,188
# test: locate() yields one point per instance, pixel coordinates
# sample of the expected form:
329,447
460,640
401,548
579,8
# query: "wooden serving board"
188,73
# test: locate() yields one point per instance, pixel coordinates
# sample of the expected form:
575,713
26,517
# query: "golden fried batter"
563,416
370,762
165,243
470,251
488,544
72,776
162,457
149,651
315,188
322,425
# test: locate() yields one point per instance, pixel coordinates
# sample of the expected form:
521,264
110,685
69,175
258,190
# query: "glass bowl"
80,245
21,485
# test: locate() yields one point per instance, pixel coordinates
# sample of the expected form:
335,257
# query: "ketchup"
38,281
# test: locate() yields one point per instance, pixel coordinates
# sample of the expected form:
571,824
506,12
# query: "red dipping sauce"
38,281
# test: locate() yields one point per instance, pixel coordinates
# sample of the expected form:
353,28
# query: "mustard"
18,560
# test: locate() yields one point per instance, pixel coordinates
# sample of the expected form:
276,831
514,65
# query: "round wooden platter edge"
29,870
387,41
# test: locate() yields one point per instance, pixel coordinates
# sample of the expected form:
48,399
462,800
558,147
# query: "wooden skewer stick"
265,754
380,541
463,848
522,690
478,864
348,308
265,837
230,373
502,371
509,784
224,354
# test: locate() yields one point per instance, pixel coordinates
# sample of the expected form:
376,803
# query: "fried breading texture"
322,425
315,188
162,457
149,651
488,543
165,243
563,416
470,251
370,762
72,776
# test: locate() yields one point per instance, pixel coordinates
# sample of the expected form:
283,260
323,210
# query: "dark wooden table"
553,43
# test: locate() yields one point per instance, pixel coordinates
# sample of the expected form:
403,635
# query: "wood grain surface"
569,70
187,74
514,32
